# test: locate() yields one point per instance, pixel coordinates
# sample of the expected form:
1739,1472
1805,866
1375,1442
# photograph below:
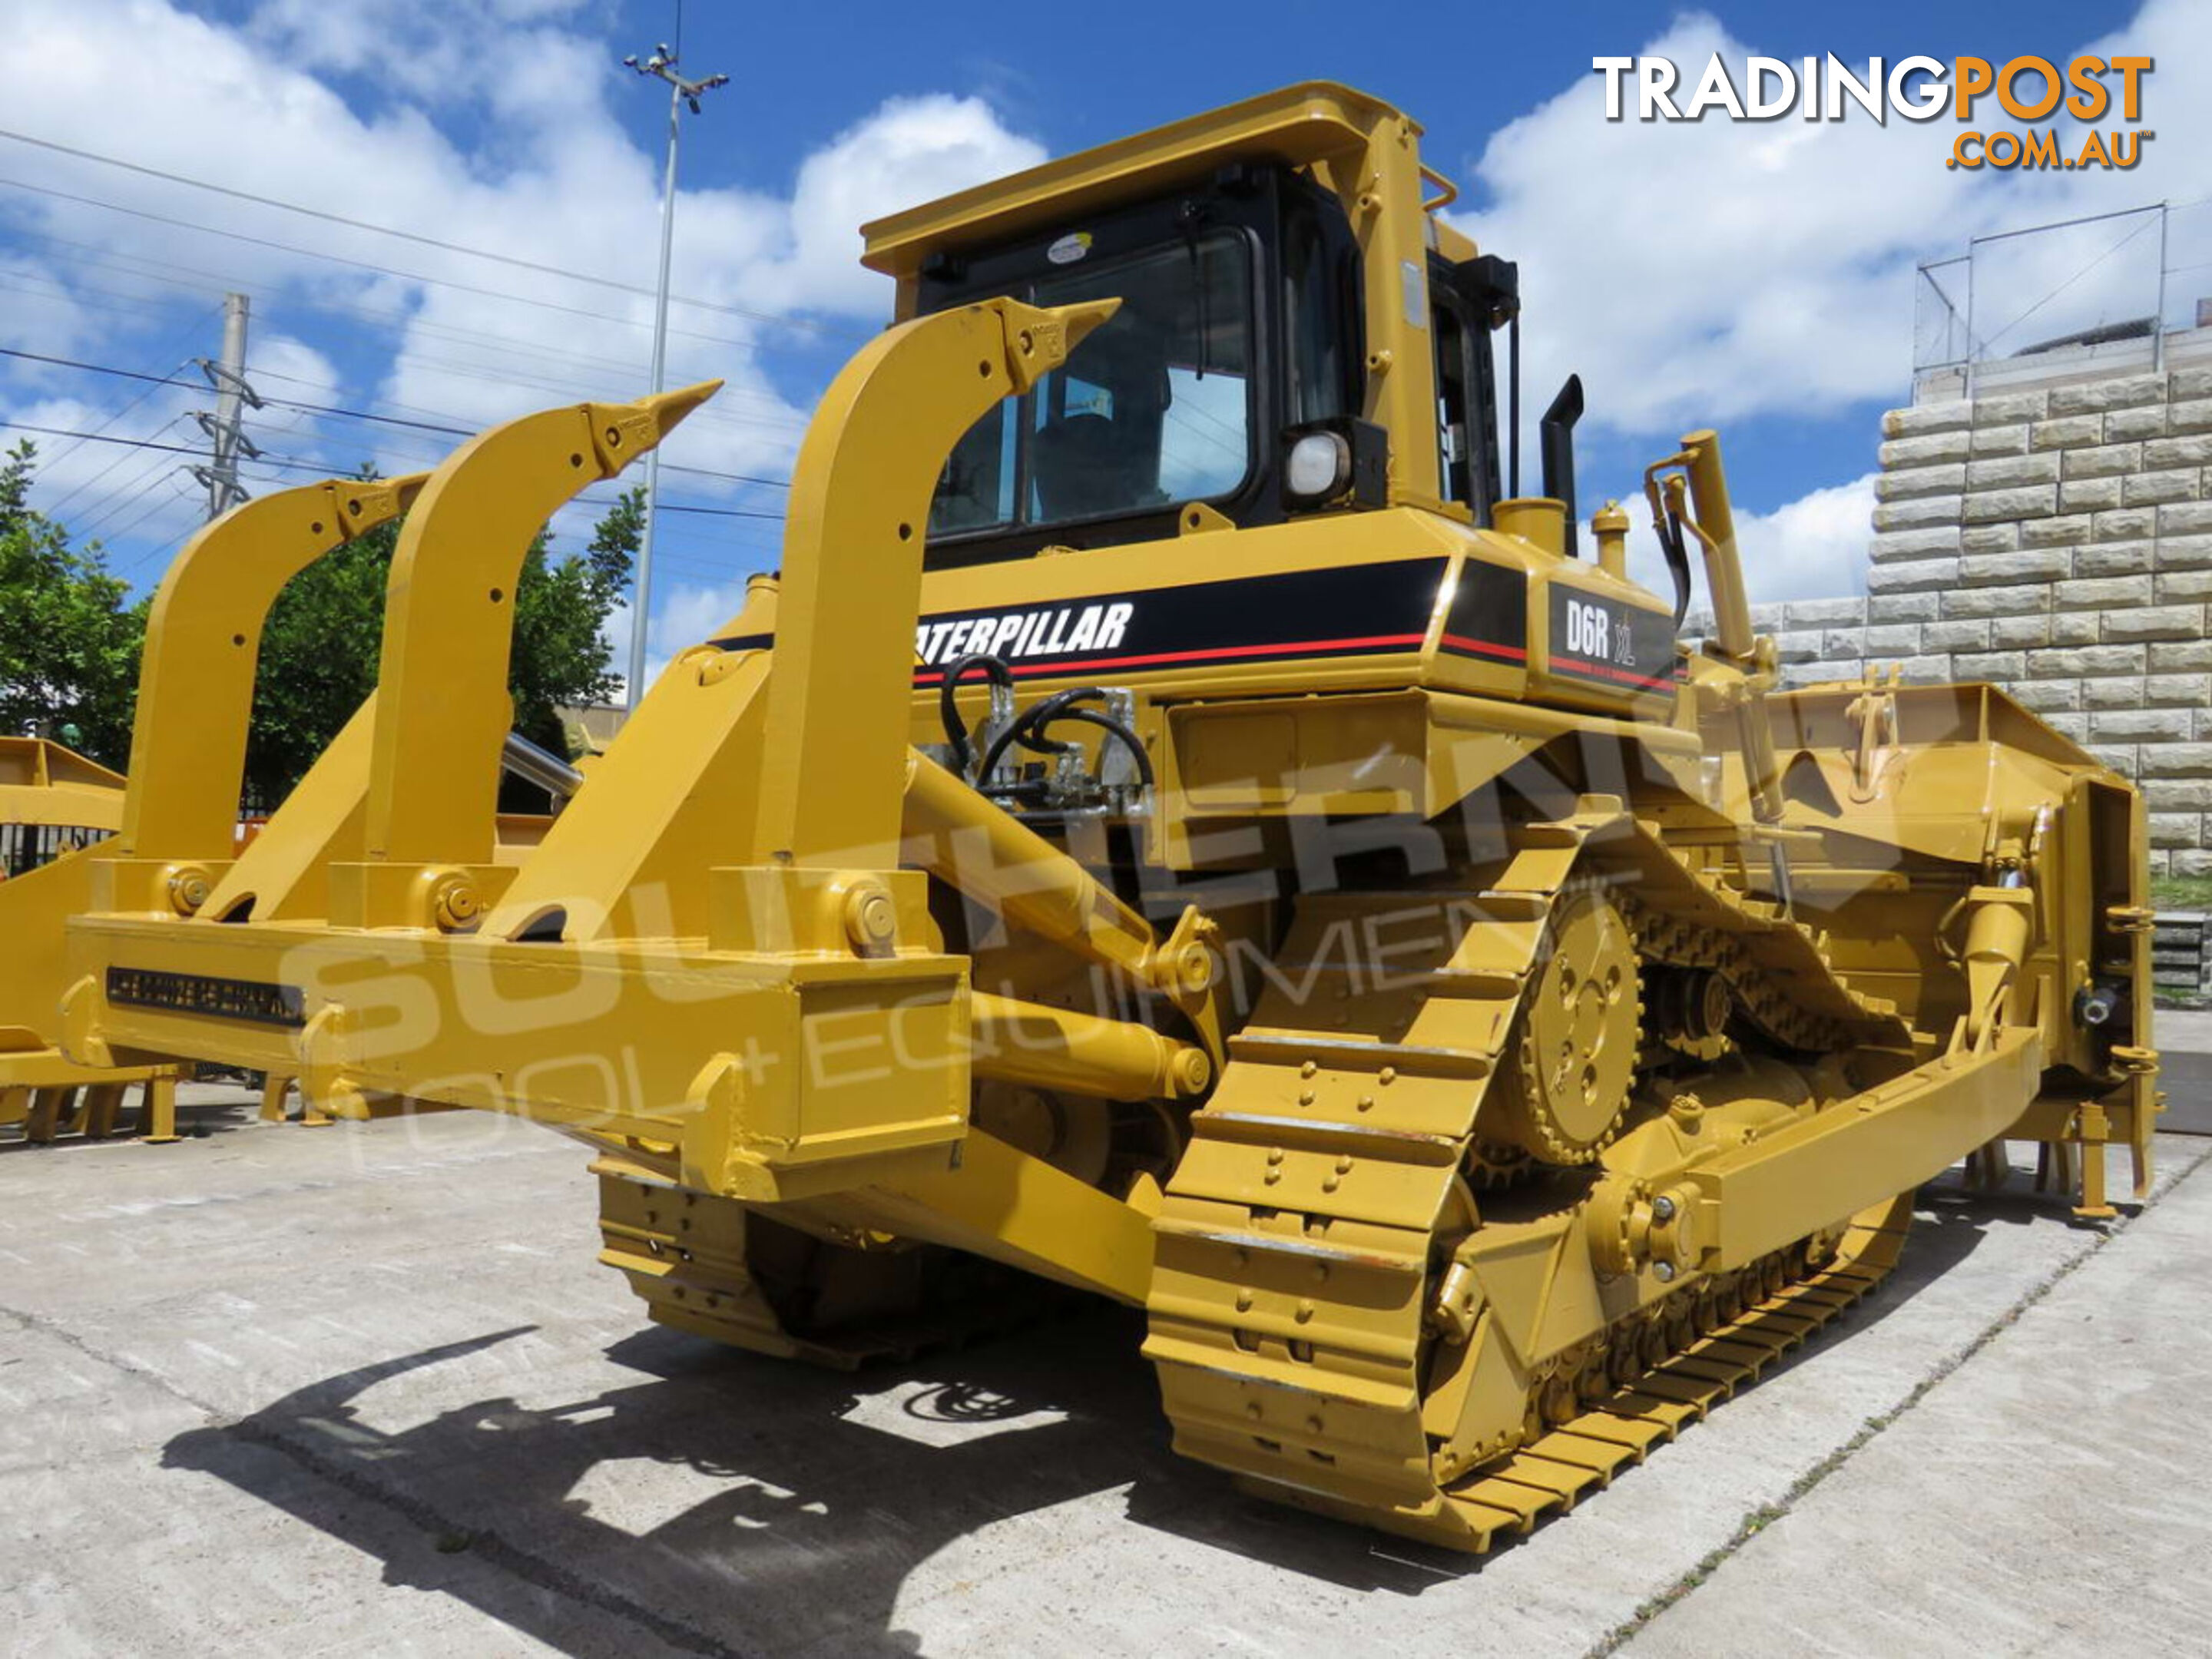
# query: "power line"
579,389
467,432
386,271
216,284
720,511
412,236
172,345
324,468
120,460
75,296
175,498
341,412
97,438
126,495
95,368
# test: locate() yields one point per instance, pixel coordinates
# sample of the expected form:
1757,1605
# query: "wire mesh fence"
2112,293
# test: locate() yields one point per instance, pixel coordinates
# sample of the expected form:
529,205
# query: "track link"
1292,1311
1552,1474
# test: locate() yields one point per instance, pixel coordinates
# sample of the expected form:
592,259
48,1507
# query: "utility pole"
682,94
232,396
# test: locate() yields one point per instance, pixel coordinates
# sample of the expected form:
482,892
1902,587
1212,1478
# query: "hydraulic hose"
1030,728
956,729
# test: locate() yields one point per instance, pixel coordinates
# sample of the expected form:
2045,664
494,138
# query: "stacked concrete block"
1818,639
2059,542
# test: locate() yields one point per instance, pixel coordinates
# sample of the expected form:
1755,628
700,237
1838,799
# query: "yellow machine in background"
1183,825
53,804
52,801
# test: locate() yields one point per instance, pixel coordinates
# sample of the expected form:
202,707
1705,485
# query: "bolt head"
1195,967
456,903
188,889
871,918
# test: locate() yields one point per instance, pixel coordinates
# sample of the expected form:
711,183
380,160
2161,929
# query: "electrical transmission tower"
227,440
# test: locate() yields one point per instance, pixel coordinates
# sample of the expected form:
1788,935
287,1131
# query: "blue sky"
1692,275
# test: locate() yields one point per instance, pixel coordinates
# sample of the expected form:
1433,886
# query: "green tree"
562,654
68,637
318,652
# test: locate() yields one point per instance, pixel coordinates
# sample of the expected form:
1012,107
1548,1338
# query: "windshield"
1151,410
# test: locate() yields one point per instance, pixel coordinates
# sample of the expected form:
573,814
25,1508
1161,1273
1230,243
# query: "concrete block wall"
1822,638
2057,542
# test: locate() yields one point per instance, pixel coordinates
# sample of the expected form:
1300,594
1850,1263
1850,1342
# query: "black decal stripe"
1496,649
1333,611
1373,646
1489,614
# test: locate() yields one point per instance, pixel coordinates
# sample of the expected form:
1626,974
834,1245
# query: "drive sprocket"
1565,1086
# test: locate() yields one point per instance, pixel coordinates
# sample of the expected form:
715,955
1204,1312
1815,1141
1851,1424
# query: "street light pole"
682,94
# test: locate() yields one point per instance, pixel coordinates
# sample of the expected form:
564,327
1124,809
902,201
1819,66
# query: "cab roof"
1298,126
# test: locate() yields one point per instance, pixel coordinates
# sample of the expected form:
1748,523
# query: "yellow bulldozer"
1182,825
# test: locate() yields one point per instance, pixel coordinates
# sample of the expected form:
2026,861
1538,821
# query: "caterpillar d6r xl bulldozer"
1181,825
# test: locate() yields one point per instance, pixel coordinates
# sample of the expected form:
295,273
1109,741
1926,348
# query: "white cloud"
911,150
1713,273
37,313
1811,547
1708,271
1814,546
409,44
494,125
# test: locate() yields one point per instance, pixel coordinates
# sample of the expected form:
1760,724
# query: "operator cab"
1231,376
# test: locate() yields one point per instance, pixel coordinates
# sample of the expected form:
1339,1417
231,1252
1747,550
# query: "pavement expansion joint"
39,1325
1758,1519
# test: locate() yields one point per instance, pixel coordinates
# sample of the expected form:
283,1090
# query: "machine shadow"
196,1120
739,1504
744,1502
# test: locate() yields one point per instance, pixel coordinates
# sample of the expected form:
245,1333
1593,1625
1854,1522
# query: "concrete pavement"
2184,1040
363,1387
2050,1496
